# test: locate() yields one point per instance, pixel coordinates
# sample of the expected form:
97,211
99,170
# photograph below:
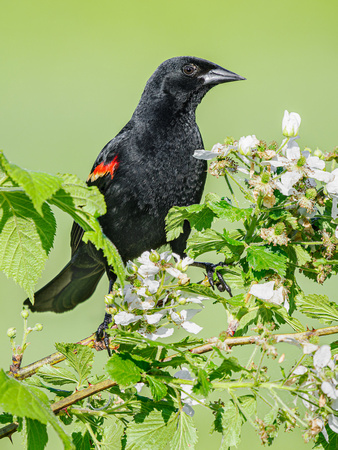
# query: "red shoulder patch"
102,169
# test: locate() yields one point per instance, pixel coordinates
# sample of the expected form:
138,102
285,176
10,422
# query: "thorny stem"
57,357
286,408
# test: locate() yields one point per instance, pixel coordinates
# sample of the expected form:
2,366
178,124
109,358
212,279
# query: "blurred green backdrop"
72,73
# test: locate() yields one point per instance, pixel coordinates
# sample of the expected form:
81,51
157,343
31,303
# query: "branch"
90,341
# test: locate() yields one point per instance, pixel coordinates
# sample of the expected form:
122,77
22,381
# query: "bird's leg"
210,270
101,331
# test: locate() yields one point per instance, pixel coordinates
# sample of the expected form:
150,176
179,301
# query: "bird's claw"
221,284
101,333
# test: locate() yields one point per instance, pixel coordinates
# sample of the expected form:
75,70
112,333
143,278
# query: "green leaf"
79,200
302,255
26,238
199,216
205,241
224,210
112,435
158,388
263,258
317,307
154,432
232,424
81,361
292,321
248,405
109,250
322,442
57,376
123,370
38,186
82,440
18,399
203,385
37,436
185,436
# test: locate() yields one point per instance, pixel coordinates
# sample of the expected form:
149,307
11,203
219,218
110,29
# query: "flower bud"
11,332
108,299
291,124
38,327
24,313
131,268
182,301
279,228
318,153
265,177
154,257
246,144
311,193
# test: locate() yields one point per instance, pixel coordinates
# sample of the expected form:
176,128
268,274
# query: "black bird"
144,171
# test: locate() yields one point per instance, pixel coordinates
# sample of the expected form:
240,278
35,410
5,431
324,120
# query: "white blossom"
266,292
291,123
183,317
246,144
124,318
332,186
162,332
322,357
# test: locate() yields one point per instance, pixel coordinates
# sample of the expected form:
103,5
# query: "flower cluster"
152,299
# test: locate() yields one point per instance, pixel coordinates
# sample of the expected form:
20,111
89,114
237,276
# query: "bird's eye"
189,69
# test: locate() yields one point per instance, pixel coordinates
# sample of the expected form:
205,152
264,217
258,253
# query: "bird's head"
185,80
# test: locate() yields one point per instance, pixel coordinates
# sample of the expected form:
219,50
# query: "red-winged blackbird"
144,171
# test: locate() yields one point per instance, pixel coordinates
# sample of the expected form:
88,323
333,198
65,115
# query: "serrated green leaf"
57,376
185,436
205,241
232,424
199,216
26,238
77,199
38,186
322,442
154,432
224,210
112,436
292,321
114,259
263,258
317,307
226,368
82,440
248,405
203,385
302,255
81,361
37,436
158,388
23,401
123,370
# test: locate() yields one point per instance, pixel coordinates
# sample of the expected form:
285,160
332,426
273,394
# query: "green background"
71,75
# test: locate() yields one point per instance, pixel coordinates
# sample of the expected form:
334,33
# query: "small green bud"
279,228
311,193
182,301
318,153
179,266
265,177
229,141
108,299
308,149
148,293
38,327
154,257
11,333
131,268
301,161
24,313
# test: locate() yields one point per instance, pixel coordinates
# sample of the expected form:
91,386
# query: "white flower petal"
300,370
308,347
188,410
263,291
333,423
124,318
154,318
315,163
277,296
191,327
320,175
322,357
329,390
289,179
205,154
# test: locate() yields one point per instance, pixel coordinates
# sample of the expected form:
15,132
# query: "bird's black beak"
220,75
